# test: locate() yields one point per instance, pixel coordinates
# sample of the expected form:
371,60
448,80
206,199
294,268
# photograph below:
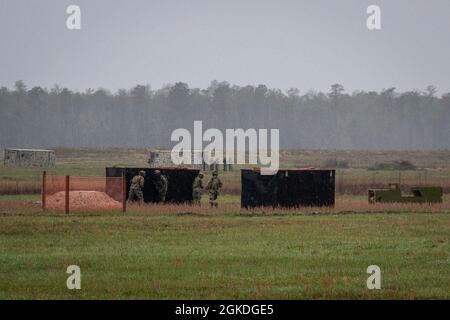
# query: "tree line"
141,117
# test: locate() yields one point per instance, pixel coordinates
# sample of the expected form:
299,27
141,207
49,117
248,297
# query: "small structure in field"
179,182
288,188
29,158
394,195
162,158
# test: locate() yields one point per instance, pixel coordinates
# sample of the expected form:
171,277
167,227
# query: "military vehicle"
394,195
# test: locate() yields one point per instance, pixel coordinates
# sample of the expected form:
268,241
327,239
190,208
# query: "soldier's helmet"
142,173
157,172
200,175
215,173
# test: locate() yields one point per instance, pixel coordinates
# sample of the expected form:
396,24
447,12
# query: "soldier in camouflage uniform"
214,184
161,185
197,189
137,183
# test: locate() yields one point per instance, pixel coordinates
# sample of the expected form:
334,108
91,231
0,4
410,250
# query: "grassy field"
150,256
434,168
185,252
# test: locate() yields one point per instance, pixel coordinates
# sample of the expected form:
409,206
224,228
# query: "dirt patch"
92,200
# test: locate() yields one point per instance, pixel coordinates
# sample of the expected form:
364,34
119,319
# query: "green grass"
222,254
35,174
79,162
225,257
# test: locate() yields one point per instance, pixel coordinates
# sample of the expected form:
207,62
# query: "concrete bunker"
29,158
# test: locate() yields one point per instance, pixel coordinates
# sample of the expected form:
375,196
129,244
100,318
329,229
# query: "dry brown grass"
365,158
91,162
343,205
17,207
357,183
231,186
361,188
230,206
20,187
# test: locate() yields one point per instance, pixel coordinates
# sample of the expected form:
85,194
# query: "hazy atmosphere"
136,70
320,167
282,44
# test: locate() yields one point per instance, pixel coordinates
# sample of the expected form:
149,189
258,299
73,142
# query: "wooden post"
124,192
43,189
67,193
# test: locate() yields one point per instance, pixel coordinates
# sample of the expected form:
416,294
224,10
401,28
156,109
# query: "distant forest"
141,117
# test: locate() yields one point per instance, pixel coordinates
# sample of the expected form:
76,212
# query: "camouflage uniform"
197,188
161,185
214,184
137,183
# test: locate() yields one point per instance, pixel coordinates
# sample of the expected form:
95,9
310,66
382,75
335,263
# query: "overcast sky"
303,44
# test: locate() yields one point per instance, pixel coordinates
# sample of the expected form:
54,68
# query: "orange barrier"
71,193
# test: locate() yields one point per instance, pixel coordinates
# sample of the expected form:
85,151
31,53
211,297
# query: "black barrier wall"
179,188
287,188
